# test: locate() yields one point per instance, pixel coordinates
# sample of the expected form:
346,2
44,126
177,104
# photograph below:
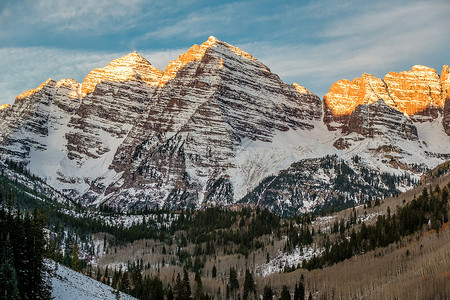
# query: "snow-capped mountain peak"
132,67
196,53
215,124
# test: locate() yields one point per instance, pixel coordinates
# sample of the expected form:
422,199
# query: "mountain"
213,99
216,124
420,94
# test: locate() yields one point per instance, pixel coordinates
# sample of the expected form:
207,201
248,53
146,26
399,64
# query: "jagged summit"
419,91
196,53
129,67
301,89
4,106
29,93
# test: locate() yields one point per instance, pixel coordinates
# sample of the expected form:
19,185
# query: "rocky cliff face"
380,115
418,93
131,67
379,119
211,99
445,77
215,124
24,126
324,182
68,132
4,106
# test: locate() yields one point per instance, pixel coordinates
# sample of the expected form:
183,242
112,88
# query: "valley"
212,242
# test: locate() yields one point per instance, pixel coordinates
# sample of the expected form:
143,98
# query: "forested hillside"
242,251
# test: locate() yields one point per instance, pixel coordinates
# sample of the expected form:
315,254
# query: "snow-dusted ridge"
208,130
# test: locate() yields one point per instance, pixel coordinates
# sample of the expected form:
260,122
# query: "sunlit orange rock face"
445,77
4,106
196,53
131,67
414,92
345,95
32,91
300,89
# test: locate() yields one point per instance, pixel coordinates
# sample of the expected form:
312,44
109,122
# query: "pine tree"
187,284
68,249
138,283
234,283
24,256
249,285
299,292
18,245
268,293
106,276
75,260
285,295
8,279
153,288
115,279
170,295
214,272
36,272
199,294
310,296
125,283
180,289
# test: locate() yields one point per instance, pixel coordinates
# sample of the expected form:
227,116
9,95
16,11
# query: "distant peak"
130,60
301,89
215,41
212,39
410,92
33,91
70,83
133,55
422,68
4,106
196,53
132,67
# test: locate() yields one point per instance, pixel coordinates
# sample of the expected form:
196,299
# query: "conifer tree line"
429,209
132,282
23,273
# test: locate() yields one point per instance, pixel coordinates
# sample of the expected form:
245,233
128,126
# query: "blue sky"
313,43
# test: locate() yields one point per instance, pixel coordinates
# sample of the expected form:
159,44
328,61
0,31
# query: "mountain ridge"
212,126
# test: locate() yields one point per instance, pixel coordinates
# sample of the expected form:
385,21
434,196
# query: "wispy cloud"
314,43
373,41
70,16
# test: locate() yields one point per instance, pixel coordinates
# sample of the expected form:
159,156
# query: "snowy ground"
277,264
68,284
298,255
326,223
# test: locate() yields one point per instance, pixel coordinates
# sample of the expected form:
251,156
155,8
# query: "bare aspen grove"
415,266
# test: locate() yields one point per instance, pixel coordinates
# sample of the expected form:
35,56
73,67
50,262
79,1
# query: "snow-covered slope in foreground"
68,284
